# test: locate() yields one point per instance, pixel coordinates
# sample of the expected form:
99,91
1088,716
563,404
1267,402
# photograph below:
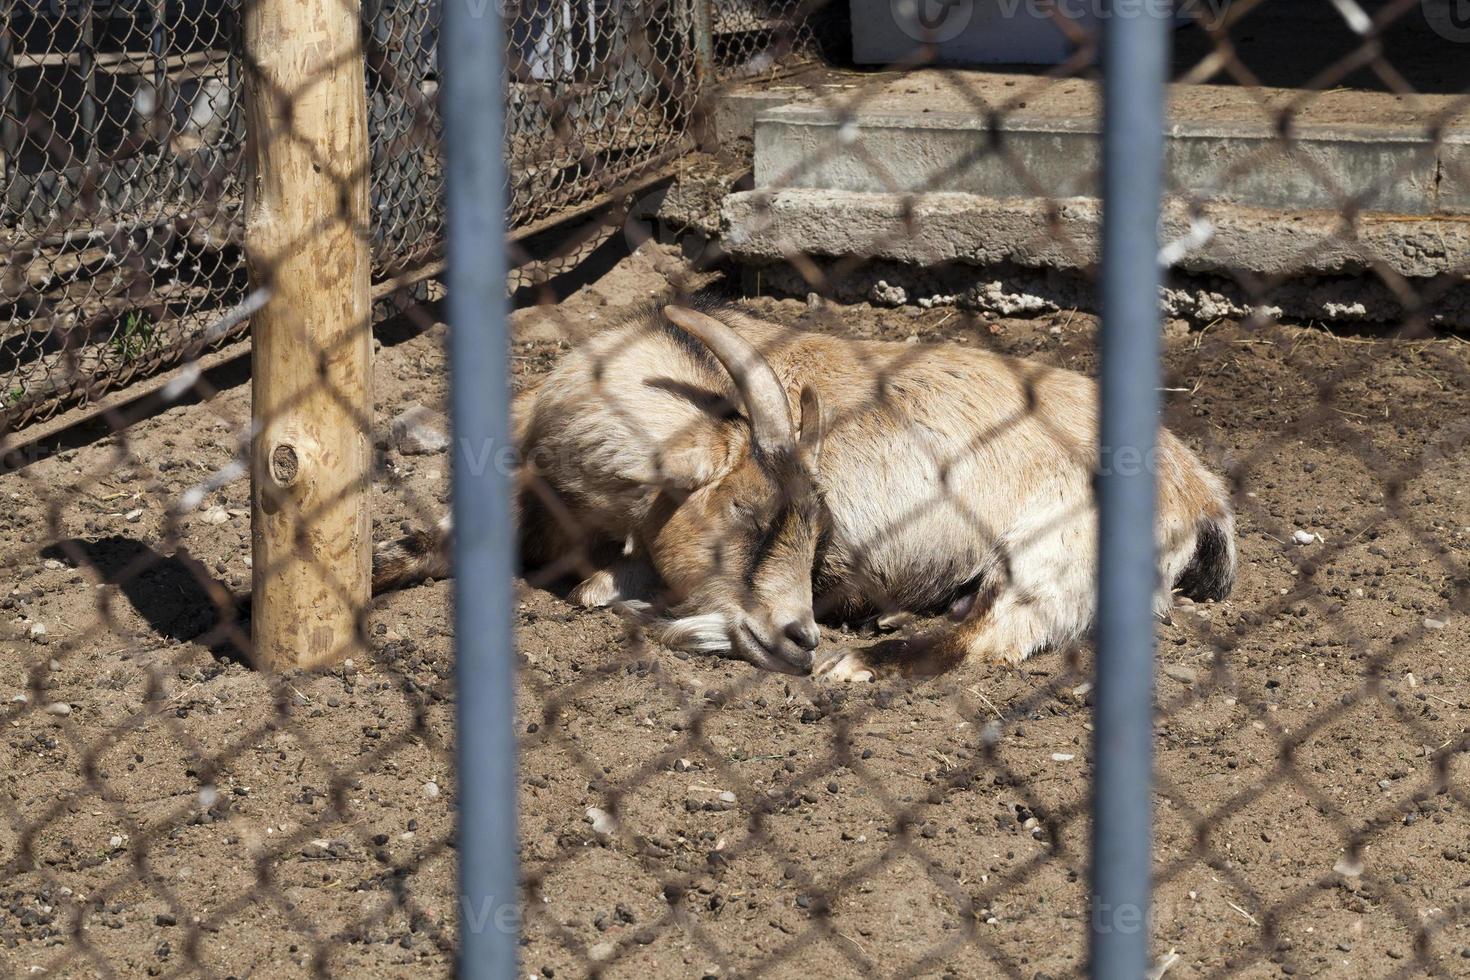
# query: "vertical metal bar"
704,44
9,106
700,103
1135,51
158,43
236,125
471,51
87,41
161,125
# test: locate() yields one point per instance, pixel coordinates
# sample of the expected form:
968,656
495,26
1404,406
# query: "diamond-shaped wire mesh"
122,133
168,809
910,233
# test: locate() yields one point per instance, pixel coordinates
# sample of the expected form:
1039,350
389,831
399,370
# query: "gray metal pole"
704,44
471,55
1135,54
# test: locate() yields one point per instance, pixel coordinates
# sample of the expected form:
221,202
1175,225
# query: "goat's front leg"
628,579
1002,630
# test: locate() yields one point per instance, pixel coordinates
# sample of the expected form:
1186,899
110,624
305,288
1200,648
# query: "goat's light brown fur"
926,477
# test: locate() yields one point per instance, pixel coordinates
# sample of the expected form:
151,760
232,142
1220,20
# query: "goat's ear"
810,439
695,457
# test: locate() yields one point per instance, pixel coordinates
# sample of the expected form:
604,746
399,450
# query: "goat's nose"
803,633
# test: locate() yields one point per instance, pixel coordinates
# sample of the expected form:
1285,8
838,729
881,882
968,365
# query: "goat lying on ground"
751,478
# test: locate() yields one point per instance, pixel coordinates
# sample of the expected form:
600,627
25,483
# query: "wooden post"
306,240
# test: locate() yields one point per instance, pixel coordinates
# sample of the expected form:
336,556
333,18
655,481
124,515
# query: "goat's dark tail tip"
1210,573
410,559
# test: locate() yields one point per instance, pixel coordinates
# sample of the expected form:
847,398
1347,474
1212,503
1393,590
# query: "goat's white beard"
700,633
704,633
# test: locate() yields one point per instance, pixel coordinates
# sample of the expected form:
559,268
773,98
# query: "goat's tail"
1210,573
413,558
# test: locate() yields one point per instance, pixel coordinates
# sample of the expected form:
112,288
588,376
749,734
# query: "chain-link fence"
758,37
122,136
120,147
819,522
598,96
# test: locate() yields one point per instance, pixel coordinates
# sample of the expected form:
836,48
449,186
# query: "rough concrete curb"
1394,168
932,229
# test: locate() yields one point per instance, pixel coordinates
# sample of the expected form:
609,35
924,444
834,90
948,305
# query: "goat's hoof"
596,591
846,666
889,622
1008,659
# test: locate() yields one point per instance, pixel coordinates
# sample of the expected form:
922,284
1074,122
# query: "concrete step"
981,168
1004,136
931,230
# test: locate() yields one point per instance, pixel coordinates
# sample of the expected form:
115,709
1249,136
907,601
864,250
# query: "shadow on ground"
175,594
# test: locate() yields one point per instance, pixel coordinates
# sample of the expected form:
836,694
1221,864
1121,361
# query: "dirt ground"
166,809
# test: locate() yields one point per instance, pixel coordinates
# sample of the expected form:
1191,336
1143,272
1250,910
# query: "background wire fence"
121,168
754,37
169,810
598,95
141,99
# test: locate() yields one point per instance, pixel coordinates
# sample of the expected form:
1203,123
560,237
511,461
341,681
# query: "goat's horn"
760,389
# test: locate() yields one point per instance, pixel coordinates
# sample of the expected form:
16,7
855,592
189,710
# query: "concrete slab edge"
829,117
931,229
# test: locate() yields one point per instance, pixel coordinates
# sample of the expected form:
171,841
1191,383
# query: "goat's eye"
744,512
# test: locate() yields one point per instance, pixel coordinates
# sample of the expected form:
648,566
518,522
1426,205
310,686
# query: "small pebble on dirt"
1303,537
431,790
37,633
417,431
602,822
1180,673
61,709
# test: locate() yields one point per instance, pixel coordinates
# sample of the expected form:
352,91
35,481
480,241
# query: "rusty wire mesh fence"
775,711
155,784
755,37
121,155
598,95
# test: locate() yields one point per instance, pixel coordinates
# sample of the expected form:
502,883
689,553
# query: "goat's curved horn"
760,389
